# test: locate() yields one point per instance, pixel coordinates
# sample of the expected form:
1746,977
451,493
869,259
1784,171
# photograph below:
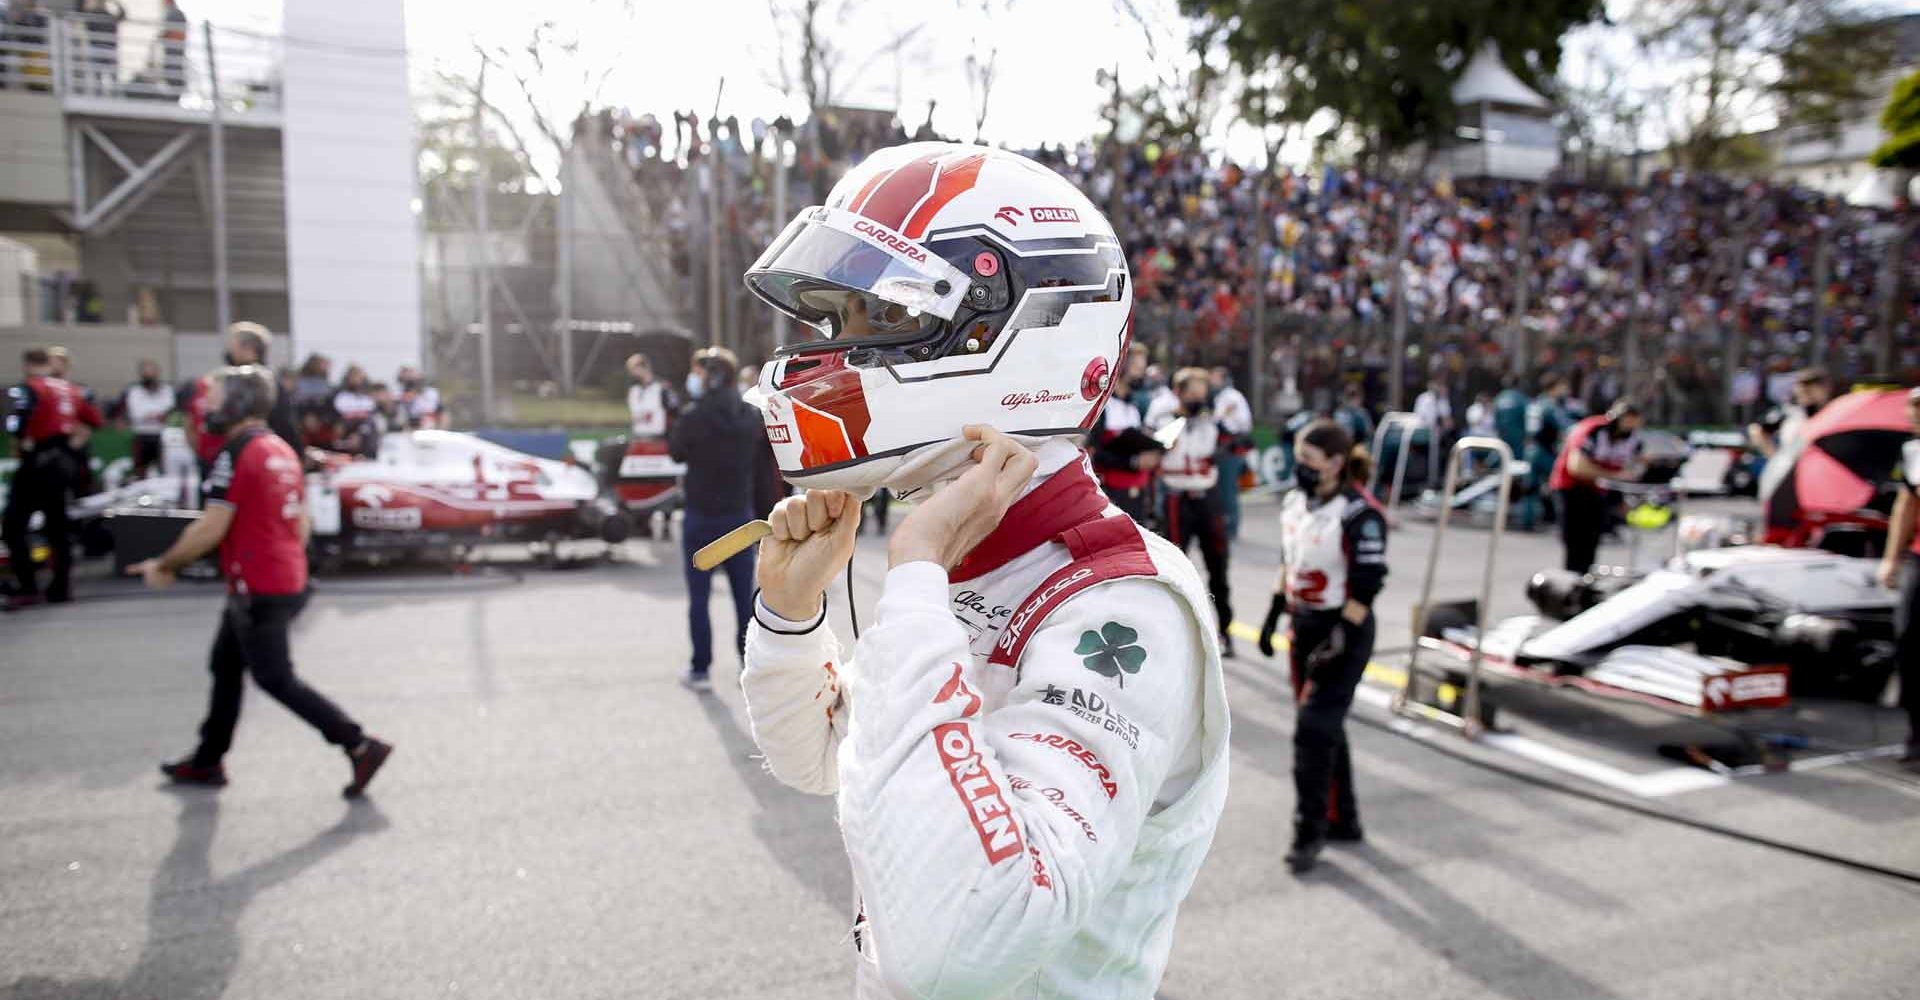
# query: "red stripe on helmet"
956,178
895,197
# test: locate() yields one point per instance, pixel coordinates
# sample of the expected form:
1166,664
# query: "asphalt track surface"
562,819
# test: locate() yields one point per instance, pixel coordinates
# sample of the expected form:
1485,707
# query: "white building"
1505,127
1836,163
203,174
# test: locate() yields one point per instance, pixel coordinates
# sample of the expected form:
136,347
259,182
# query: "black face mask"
1813,408
1307,478
1191,409
149,381
230,359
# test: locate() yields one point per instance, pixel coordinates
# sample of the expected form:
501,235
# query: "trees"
1385,68
1901,120
1730,65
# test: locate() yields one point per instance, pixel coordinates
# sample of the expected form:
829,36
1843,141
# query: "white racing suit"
1030,756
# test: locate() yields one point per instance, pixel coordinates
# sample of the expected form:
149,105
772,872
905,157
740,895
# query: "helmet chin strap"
939,463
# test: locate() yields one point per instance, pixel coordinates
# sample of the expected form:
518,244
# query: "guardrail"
101,64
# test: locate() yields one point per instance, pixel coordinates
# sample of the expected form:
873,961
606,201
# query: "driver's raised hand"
813,536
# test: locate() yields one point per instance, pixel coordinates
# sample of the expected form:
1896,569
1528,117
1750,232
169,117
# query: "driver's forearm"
199,539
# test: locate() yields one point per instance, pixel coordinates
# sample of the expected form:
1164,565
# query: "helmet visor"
855,279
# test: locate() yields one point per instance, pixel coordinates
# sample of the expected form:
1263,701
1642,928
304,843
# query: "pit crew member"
1606,446
1190,508
1028,744
1333,562
256,515
649,401
44,414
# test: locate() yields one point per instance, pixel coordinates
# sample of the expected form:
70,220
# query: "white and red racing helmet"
952,285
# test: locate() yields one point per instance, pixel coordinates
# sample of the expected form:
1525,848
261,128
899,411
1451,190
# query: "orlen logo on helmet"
1038,214
892,241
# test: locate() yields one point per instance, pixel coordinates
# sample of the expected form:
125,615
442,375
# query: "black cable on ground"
1651,813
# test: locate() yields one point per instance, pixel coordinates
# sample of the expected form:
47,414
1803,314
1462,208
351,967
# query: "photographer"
256,516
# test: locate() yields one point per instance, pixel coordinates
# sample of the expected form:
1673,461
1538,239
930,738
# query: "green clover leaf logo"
1111,652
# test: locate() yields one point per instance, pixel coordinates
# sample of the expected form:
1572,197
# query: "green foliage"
1901,120
1385,67
1730,63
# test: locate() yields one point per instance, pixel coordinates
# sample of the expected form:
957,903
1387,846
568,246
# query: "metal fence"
86,59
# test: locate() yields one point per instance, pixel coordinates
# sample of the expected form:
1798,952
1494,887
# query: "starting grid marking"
1650,785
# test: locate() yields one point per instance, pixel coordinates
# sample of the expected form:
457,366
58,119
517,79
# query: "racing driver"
1029,743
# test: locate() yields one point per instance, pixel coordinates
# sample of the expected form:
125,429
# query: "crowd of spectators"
1741,282
350,415
1734,284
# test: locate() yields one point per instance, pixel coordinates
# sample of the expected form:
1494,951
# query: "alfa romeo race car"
1713,630
443,491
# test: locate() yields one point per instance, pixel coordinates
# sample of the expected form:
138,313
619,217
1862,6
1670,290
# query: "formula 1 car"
434,491
1714,630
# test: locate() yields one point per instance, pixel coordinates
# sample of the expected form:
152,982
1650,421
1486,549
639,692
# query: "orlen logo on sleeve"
779,434
1053,215
985,804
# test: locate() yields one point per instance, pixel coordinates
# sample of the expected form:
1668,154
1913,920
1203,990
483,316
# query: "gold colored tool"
730,544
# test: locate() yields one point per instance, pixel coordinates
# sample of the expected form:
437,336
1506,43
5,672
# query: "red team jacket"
45,407
259,476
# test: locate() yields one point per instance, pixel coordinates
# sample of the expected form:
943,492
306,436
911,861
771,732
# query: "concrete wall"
104,357
107,357
352,241
33,150
19,283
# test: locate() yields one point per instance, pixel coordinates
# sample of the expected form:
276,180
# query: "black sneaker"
696,682
1226,646
186,772
1345,833
366,759
1302,856
1912,756
20,602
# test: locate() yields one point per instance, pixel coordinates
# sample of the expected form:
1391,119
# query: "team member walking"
1599,447
1333,562
1900,568
718,437
44,416
256,515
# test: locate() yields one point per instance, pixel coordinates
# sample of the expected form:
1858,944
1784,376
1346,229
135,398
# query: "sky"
674,55
665,55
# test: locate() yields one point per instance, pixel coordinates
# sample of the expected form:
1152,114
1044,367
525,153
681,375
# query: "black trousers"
1583,519
1322,763
253,639
1193,517
146,454
1135,503
1906,616
40,484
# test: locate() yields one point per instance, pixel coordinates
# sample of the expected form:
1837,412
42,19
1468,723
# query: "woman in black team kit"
1333,561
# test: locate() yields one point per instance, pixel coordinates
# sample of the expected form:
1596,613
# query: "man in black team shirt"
256,514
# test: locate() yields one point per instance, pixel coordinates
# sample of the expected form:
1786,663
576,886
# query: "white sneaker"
697,683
